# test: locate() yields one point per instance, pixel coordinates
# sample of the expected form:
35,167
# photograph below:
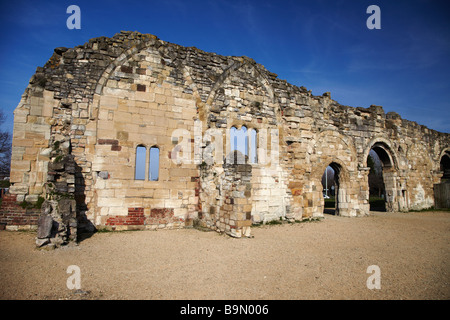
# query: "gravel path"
315,260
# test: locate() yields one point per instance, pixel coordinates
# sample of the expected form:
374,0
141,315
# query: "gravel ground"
314,260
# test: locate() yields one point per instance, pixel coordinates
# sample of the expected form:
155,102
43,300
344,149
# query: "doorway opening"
442,190
330,190
382,179
377,191
445,167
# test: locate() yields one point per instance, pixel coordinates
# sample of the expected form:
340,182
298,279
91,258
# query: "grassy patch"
274,222
430,209
375,203
5,184
30,205
330,203
281,221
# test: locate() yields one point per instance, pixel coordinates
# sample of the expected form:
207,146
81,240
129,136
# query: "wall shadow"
85,228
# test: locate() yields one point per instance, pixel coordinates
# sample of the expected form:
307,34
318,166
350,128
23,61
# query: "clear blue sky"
322,45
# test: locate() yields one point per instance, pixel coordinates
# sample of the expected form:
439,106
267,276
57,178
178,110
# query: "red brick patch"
126,69
161,216
108,141
135,217
112,142
11,213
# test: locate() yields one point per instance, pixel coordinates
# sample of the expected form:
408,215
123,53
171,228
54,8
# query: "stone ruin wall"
105,98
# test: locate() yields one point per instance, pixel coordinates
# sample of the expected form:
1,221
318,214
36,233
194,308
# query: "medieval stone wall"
112,95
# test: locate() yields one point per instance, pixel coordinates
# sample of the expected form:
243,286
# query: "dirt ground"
315,260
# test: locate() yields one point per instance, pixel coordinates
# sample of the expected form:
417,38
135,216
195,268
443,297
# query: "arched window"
239,143
153,172
245,141
141,154
253,157
238,139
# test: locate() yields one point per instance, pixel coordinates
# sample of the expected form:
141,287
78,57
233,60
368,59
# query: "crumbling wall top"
74,73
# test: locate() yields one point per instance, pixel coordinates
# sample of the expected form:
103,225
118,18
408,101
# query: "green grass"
5,184
32,205
281,221
430,209
375,202
274,222
330,203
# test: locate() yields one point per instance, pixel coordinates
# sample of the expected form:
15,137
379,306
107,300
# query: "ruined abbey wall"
101,101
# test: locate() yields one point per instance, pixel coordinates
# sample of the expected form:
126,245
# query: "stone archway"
394,199
331,148
344,195
339,192
442,189
444,166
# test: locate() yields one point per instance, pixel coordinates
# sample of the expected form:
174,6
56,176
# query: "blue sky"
322,45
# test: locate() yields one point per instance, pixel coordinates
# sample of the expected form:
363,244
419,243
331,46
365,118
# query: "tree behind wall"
5,149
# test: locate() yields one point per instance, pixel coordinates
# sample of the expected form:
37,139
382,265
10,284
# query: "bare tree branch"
5,149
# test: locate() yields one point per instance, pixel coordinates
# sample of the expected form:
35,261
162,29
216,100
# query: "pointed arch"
140,162
153,163
342,144
331,148
136,47
384,149
444,164
444,153
395,194
260,78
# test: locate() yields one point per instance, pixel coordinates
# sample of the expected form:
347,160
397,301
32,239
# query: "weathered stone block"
45,224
